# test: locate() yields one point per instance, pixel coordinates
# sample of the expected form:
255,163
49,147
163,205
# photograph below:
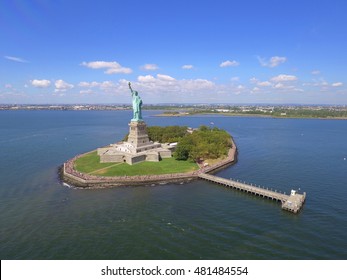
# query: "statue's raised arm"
130,87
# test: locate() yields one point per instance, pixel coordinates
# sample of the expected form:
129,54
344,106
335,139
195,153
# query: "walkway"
292,202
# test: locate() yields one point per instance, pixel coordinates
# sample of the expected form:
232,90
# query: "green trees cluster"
171,113
311,113
166,134
203,143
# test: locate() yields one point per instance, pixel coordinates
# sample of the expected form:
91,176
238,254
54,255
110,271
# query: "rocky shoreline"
74,178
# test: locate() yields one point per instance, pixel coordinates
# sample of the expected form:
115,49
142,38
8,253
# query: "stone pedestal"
138,136
138,148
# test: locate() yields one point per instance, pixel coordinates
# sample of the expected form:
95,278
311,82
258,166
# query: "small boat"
66,185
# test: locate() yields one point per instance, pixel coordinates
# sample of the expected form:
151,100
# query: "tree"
166,134
182,152
203,143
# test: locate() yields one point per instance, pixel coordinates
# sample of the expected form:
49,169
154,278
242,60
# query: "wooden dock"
292,202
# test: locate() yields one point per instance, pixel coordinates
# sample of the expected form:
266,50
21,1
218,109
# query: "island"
150,155
192,153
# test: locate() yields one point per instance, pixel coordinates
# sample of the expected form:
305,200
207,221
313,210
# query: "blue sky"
173,51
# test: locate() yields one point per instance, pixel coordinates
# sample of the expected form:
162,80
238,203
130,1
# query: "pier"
292,202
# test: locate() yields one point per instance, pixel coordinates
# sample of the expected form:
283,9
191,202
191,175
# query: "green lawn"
90,163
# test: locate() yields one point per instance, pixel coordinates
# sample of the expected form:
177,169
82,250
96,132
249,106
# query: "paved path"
95,171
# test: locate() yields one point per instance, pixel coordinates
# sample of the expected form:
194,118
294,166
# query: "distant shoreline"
337,112
248,115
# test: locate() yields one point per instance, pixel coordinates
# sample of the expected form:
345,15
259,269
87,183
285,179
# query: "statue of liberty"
137,103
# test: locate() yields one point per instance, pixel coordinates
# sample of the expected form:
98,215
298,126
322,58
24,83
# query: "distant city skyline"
274,52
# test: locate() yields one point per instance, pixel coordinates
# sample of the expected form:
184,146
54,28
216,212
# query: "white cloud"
94,87
167,84
101,64
315,72
159,83
16,59
317,83
61,86
161,88
58,94
235,79
253,80
264,84
146,79
276,60
120,70
107,85
86,91
150,67
338,84
279,85
187,66
196,85
40,83
284,78
8,86
286,88
88,84
272,62
112,67
229,63
165,78
104,84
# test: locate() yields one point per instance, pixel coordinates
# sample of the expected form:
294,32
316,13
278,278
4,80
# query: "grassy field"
90,163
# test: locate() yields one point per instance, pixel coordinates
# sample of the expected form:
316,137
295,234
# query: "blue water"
41,219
